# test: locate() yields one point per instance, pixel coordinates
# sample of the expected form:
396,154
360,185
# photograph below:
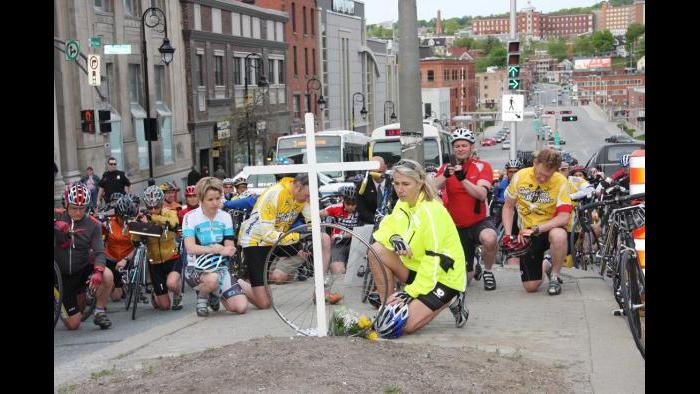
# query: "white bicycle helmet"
153,196
210,262
515,163
229,181
463,134
392,319
625,160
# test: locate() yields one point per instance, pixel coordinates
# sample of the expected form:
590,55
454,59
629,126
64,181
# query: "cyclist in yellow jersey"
541,196
418,244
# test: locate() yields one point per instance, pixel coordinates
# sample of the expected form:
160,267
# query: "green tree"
602,42
634,32
557,49
451,26
583,46
464,43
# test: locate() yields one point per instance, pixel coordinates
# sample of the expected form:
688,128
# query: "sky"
385,10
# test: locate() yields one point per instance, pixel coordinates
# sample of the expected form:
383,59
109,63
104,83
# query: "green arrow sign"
556,138
513,71
72,49
513,84
536,125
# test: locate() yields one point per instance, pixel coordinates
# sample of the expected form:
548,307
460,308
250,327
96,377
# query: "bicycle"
136,273
294,301
57,293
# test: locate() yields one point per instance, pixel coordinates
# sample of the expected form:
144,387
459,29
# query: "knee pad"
232,291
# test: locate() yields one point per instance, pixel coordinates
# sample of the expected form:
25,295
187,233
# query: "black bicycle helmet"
348,192
125,207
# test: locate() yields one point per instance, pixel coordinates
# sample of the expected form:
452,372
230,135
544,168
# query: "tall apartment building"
121,92
606,89
536,25
618,19
219,35
491,85
302,38
448,87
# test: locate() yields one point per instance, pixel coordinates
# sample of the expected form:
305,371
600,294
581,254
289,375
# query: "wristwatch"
536,229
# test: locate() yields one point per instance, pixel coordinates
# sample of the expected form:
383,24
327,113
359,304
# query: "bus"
332,146
437,144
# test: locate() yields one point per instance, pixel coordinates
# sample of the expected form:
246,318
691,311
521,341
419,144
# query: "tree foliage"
603,41
378,31
583,46
557,49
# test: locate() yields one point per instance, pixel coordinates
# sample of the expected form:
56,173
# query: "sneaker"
214,302
331,298
202,309
459,311
554,286
489,281
478,271
177,302
102,320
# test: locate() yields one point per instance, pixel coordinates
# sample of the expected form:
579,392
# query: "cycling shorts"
340,251
531,263
159,274
469,237
118,279
72,286
255,257
436,298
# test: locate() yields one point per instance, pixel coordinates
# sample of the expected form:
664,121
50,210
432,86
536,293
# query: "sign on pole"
72,50
93,62
512,108
223,129
118,49
95,42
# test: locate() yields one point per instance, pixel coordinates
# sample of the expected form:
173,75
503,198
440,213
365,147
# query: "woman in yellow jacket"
418,244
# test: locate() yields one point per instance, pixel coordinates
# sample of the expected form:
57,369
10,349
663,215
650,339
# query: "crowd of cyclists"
427,241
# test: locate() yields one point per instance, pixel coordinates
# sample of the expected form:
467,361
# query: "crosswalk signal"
105,116
571,118
513,53
87,121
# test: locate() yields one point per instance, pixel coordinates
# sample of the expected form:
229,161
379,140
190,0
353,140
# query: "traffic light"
105,116
513,64
571,118
87,121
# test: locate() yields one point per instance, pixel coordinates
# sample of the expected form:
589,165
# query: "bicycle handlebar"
638,196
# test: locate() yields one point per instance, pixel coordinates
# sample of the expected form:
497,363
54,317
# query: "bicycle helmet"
348,192
210,262
576,169
240,181
166,187
229,181
514,163
190,191
135,198
392,320
515,248
79,195
115,197
463,134
625,161
153,196
125,207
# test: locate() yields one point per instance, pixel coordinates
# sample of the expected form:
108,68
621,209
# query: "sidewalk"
575,332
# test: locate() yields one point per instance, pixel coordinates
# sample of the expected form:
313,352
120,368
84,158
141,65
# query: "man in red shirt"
467,184
345,214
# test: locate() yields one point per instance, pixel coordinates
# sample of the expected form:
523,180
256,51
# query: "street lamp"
393,114
156,20
363,111
261,82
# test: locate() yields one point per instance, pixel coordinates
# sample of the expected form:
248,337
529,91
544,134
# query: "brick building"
454,79
536,25
491,85
301,35
618,19
607,89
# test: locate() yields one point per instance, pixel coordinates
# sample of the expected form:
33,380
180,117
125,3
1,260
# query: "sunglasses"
112,164
408,164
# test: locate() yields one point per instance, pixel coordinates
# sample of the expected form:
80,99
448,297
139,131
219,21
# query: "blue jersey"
498,191
205,231
245,203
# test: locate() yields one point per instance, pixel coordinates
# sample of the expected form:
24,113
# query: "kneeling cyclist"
163,257
418,244
208,233
119,249
76,236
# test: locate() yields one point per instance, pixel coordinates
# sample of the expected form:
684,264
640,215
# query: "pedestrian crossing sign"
512,108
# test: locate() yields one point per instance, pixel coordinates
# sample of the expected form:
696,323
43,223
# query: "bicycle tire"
90,304
137,289
294,301
131,278
633,285
58,298
367,283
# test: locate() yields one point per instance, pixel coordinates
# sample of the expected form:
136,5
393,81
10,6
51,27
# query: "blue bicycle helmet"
625,161
392,319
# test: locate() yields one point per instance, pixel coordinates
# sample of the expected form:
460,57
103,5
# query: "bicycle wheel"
294,301
90,303
131,277
633,292
367,284
57,293
139,277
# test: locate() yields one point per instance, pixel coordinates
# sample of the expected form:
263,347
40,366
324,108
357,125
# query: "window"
279,31
109,83
101,5
158,4
271,71
199,71
294,18
454,75
270,28
246,25
165,128
160,81
132,8
313,59
235,24
219,70
303,15
295,60
197,17
256,27
237,70
431,75
311,17
134,83
297,99
280,72
216,20
445,75
308,103
306,61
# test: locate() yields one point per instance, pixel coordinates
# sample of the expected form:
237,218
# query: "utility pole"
409,83
513,36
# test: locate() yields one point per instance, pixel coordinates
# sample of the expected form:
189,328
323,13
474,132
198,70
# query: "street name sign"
512,108
93,62
95,42
119,49
72,50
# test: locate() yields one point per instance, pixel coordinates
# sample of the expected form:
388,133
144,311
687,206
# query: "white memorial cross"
313,168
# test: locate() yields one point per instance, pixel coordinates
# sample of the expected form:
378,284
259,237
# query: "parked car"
620,138
607,158
565,112
488,142
549,112
561,140
500,139
506,145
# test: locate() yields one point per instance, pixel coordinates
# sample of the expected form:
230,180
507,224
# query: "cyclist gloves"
398,243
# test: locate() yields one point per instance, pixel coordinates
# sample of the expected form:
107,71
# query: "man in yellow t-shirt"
541,197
